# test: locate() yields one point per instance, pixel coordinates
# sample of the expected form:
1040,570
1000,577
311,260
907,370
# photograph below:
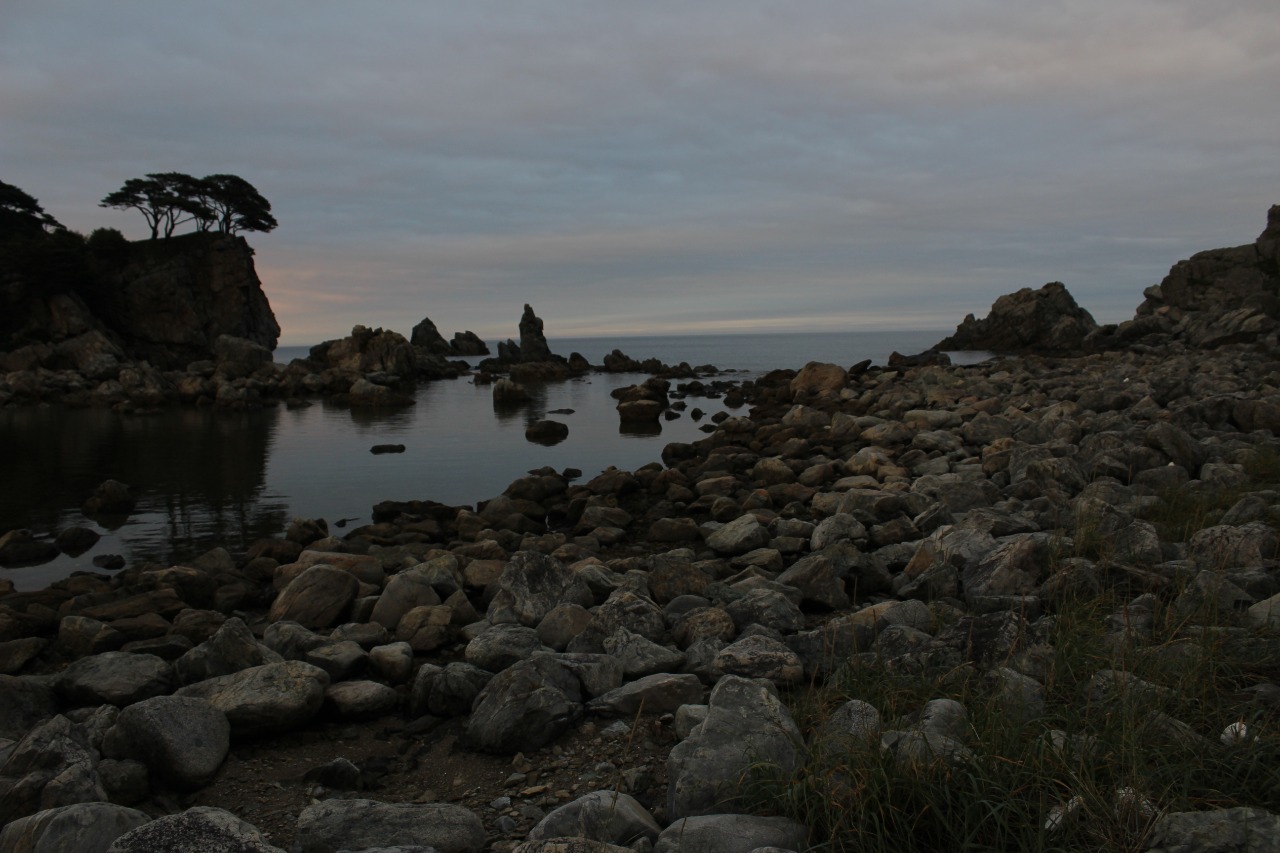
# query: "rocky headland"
1029,603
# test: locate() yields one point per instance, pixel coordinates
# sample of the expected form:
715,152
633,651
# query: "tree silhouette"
20,213
169,199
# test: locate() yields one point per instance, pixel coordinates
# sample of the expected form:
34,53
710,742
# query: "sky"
666,167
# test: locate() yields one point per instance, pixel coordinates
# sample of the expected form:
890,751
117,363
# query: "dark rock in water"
21,548
367,351
304,531
533,344
547,432
928,358
468,343
1047,320
110,562
239,357
507,392
74,541
578,363
387,448
111,498
427,336
643,403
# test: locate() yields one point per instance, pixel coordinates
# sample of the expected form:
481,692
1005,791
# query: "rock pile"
759,558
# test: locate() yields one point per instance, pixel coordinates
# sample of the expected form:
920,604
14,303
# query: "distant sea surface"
207,477
740,352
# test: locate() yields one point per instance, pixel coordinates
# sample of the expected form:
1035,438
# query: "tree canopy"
227,203
21,213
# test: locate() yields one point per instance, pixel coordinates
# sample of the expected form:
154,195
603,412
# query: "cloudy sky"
666,167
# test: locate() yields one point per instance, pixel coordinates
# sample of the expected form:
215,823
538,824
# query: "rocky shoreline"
620,664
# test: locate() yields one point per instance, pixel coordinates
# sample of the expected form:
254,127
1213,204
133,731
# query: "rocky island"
1030,603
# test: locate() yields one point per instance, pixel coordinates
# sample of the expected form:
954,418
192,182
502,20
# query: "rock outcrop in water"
1046,321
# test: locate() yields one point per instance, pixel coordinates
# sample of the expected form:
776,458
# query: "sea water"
207,477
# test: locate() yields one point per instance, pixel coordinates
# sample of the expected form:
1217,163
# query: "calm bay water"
209,478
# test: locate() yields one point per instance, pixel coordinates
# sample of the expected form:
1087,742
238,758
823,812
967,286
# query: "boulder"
468,343
318,598
78,827
532,584
499,646
747,726
49,767
181,739
731,833
115,678
361,700
231,649
609,816
335,825
202,828
661,693
22,548
1215,831
525,706
275,697
111,498
428,337
1047,320
546,432
820,380
739,536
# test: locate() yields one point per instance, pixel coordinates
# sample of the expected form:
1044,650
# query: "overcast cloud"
666,167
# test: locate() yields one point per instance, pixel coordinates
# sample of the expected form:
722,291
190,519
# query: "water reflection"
210,477
199,475
640,428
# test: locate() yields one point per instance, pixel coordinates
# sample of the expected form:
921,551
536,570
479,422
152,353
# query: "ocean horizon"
747,352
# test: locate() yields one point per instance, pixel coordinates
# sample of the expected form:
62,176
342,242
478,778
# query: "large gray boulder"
181,739
51,766
24,702
317,598
1047,320
731,833
747,726
231,649
203,828
79,827
533,583
500,646
336,825
115,678
1216,831
609,816
525,706
274,697
661,693
404,591
739,536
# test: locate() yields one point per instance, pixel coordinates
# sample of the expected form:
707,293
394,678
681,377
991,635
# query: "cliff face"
1216,297
165,301
173,299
